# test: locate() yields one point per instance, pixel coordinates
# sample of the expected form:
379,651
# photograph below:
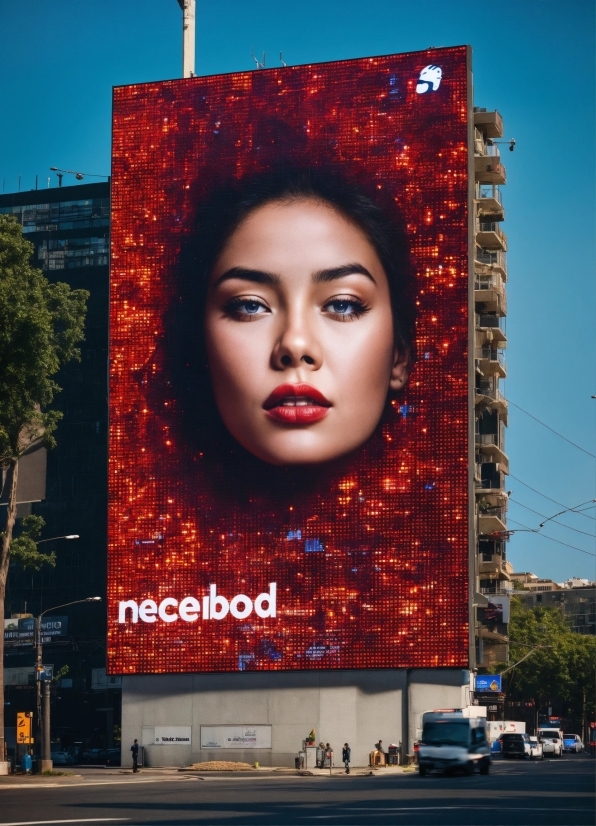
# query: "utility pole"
43,713
188,36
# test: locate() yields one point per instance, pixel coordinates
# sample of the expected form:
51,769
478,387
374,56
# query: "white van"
552,740
451,742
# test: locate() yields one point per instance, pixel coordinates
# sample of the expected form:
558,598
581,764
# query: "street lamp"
78,175
41,676
70,536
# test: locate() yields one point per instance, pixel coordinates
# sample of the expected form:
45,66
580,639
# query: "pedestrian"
346,753
328,754
135,756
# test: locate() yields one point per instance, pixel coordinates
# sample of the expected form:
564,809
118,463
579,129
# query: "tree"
562,673
41,324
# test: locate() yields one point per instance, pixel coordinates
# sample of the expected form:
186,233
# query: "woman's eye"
246,307
346,308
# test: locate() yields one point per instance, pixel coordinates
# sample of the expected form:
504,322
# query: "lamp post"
188,37
41,676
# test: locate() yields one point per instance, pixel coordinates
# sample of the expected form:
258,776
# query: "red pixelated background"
371,563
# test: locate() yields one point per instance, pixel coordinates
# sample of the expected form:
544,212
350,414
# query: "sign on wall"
490,683
172,736
289,369
235,737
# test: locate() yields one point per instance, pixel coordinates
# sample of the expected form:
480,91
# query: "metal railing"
490,354
493,258
490,226
489,191
491,393
495,590
495,483
489,282
489,439
491,321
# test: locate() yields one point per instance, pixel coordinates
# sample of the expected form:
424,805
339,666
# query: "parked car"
572,742
536,750
62,758
515,744
552,741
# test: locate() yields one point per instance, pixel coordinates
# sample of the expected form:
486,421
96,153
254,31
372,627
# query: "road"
546,793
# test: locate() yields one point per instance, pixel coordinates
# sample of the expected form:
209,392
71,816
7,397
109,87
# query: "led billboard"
288,368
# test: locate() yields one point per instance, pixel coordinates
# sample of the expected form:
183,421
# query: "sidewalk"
77,775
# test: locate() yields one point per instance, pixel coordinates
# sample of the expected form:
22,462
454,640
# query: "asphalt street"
546,793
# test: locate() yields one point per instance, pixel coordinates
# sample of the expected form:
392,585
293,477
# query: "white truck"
551,739
453,741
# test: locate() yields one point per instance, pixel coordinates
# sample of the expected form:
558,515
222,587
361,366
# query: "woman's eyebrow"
254,276
334,273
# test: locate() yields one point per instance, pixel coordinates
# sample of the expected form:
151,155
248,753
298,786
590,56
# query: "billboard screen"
288,369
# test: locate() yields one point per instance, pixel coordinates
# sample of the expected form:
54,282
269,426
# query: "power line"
552,539
525,484
569,528
560,435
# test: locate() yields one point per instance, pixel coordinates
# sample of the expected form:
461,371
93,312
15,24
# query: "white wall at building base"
357,707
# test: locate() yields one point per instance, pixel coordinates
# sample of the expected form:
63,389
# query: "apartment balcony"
489,396
494,325
487,444
495,497
490,236
493,484
490,123
496,588
491,362
490,292
488,168
490,262
489,201
493,567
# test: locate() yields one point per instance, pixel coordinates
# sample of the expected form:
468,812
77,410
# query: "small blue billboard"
488,683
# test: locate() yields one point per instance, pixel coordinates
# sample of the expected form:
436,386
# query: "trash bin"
26,763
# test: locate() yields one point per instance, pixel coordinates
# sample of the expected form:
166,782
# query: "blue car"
572,742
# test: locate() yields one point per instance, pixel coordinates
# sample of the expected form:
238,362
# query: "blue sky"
533,61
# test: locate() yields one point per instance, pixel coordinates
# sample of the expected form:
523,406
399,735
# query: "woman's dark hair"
216,220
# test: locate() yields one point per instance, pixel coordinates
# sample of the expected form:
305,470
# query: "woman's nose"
296,347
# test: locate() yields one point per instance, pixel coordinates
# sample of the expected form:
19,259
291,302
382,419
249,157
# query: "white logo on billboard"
430,79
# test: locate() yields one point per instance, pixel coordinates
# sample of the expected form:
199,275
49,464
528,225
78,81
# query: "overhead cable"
552,539
560,435
569,528
550,499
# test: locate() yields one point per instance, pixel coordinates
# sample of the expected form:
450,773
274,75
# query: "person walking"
135,756
346,753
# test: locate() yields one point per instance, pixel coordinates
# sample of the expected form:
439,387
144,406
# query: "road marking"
76,820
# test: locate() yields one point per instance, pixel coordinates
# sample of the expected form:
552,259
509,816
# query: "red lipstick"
296,404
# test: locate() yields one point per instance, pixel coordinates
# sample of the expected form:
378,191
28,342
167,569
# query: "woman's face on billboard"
299,334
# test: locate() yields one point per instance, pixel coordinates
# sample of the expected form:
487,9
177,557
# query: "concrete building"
576,598
69,227
490,305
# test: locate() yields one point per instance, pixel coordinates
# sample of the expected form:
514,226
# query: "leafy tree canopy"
561,672
41,324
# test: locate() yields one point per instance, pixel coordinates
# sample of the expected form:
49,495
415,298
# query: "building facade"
490,406
69,228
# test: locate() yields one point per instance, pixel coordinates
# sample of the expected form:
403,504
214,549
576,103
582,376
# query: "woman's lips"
296,404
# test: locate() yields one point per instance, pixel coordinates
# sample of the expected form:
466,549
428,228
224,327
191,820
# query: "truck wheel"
422,771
